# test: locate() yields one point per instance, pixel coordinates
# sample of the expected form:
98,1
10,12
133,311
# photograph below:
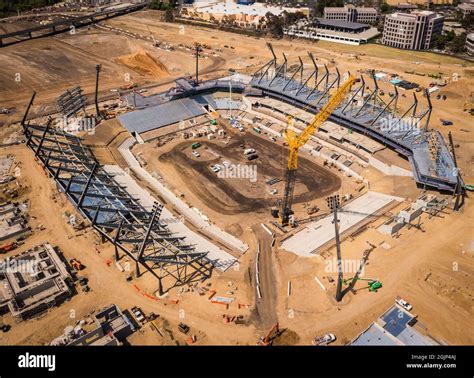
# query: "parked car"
446,122
216,168
196,154
252,157
249,151
324,340
138,314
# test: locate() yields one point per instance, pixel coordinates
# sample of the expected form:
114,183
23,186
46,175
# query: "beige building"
412,31
237,14
350,13
470,44
466,9
420,2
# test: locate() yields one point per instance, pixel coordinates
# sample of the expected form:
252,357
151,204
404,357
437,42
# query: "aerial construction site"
166,183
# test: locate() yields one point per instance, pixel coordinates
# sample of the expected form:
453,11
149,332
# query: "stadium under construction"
140,234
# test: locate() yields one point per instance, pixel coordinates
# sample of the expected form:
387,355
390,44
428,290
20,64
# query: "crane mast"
295,142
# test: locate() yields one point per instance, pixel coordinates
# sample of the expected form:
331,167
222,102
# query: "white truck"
403,303
324,340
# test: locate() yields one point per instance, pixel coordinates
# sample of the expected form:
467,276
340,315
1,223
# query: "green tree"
169,15
458,43
385,8
468,22
321,4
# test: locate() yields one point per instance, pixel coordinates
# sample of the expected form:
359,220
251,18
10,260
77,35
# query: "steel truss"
117,216
365,111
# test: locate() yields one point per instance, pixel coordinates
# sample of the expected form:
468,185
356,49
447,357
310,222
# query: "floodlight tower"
97,68
334,203
198,49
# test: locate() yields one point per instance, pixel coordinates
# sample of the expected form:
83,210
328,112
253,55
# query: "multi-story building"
466,9
350,13
470,44
425,3
413,31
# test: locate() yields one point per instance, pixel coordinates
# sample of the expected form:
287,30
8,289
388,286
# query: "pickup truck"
138,314
324,340
403,303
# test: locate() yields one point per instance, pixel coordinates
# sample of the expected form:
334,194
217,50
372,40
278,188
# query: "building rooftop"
110,327
351,6
33,280
256,9
394,327
324,22
466,6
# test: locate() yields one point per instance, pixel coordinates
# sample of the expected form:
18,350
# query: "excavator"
295,142
373,284
270,336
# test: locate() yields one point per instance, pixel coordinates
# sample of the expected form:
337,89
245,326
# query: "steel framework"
117,216
405,131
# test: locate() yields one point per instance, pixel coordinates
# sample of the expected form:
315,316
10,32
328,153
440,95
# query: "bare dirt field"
229,195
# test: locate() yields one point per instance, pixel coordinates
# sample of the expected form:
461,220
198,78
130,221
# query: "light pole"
334,203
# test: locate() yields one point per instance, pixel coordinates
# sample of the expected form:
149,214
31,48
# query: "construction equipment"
270,336
183,328
373,283
295,142
324,340
156,43
76,264
8,247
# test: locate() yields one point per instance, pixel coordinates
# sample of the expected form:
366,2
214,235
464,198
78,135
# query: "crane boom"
295,142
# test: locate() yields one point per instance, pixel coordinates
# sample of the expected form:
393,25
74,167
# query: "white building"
413,31
466,9
349,33
350,13
240,14
470,44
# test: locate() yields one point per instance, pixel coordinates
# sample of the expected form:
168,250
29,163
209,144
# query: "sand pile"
143,63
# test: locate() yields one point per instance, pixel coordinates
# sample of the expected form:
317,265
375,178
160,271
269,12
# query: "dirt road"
265,306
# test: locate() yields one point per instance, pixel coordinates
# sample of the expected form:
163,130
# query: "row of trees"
11,7
275,24
450,41
169,8
161,5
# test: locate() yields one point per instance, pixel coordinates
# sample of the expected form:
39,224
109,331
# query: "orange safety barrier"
149,296
222,303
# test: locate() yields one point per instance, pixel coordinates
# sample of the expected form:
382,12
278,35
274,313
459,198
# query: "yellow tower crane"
295,142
